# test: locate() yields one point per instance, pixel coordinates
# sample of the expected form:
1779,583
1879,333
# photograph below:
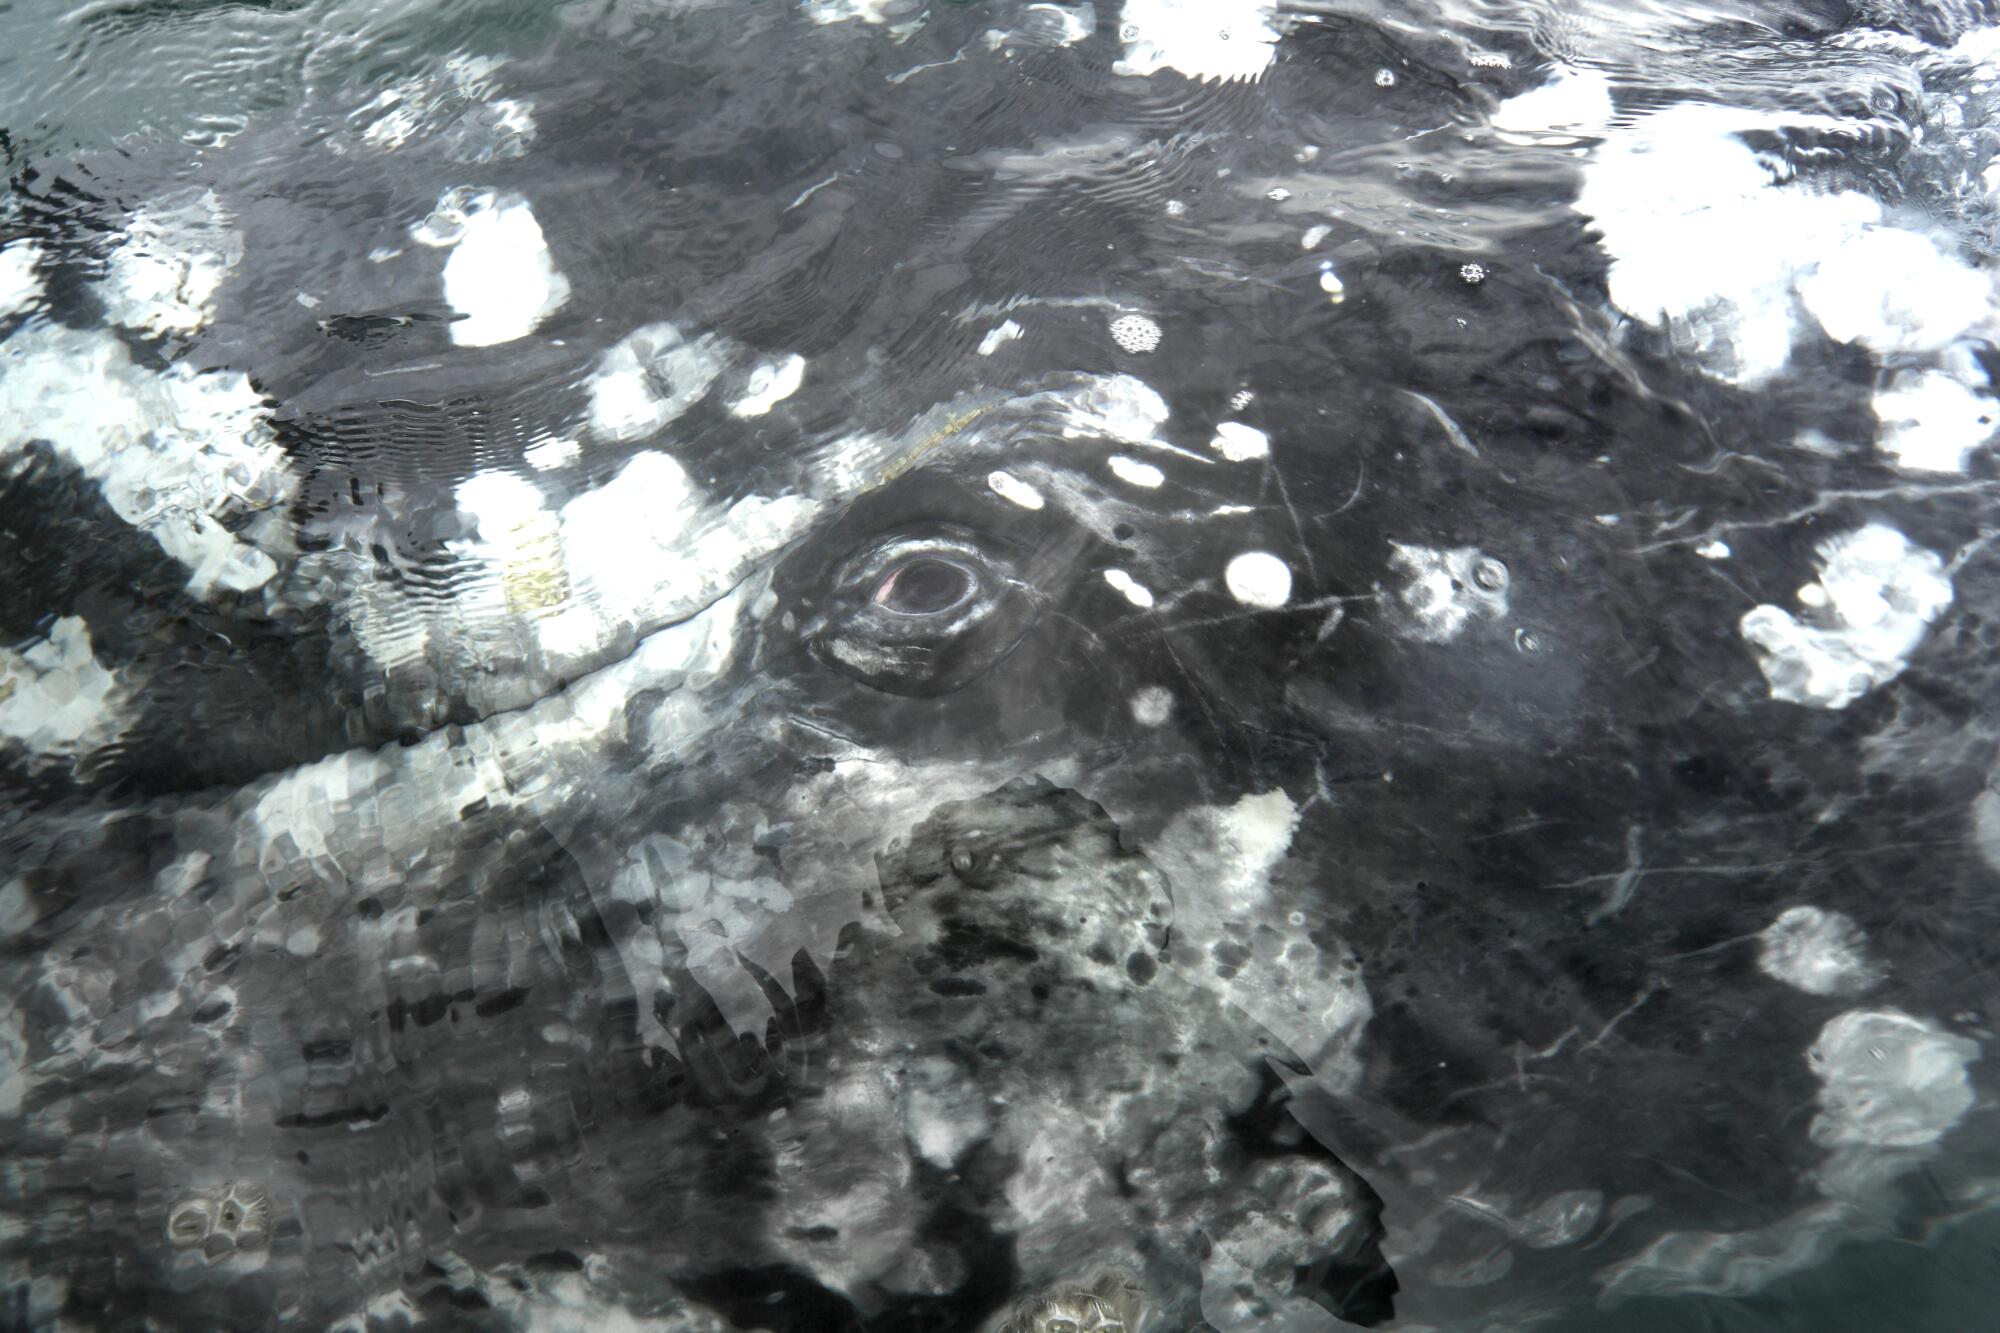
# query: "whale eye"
923,613
924,586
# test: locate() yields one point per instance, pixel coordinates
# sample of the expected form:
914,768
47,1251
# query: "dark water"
685,664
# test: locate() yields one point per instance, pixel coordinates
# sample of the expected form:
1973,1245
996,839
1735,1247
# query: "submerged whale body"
1002,667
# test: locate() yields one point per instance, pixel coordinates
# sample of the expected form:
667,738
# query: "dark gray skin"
450,1010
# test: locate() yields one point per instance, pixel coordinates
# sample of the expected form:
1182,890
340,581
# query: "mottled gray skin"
506,985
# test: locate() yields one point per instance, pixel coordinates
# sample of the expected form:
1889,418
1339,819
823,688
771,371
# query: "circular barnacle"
964,861
189,1223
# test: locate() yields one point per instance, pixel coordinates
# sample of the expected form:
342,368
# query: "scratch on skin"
1628,880
812,190
1459,439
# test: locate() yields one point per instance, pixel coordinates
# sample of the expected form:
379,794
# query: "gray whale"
815,674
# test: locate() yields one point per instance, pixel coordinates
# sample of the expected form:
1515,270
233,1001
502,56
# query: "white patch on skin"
1062,25
1136,473
1894,291
1890,1080
1707,238
519,536
552,454
500,277
173,452
1218,861
1259,579
1223,40
1152,706
1820,953
1013,490
1447,590
1713,550
1875,597
649,379
444,226
841,11
997,337
1931,422
1240,443
1119,407
20,284
1574,104
1135,333
454,107
1330,283
645,542
1313,236
1135,592
770,385
164,273
55,698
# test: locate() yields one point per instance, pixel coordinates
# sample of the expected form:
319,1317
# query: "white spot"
1931,422
1135,592
1713,550
1447,590
55,698
998,337
649,379
1013,490
1133,471
1224,40
551,454
1277,194
1240,400
1240,443
1135,333
1313,236
1890,1080
1330,283
20,284
1574,104
770,385
1152,706
1821,953
500,277
1875,597
1259,579
164,273
1175,208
